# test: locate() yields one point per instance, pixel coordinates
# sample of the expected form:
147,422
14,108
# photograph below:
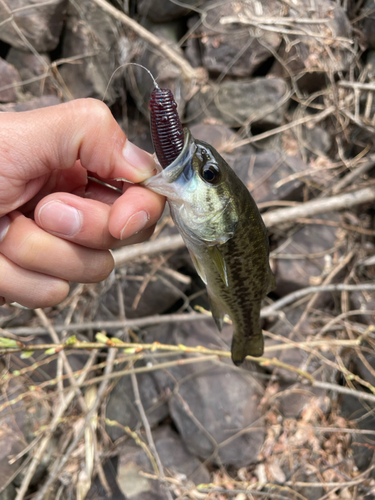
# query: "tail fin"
245,346
248,337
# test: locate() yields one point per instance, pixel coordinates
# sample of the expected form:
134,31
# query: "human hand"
55,225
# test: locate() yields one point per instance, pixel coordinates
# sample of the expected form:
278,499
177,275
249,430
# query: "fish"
225,235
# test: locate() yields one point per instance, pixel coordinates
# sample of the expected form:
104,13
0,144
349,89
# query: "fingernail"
138,158
57,217
135,224
4,226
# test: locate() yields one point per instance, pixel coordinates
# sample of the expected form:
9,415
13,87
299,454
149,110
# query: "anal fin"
217,312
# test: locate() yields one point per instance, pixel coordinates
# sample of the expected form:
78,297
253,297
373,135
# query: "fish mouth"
174,170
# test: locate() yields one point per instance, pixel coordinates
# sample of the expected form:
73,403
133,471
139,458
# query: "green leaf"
130,350
51,350
100,337
115,340
26,354
5,342
71,340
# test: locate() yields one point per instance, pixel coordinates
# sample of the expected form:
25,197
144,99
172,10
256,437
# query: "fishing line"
94,179
124,66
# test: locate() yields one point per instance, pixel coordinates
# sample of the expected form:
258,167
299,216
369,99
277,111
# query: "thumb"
35,143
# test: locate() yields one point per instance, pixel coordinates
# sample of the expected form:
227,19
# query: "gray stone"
293,397
361,414
30,67
262,172
165,10
19,424
8,76
363,302
176,459
168,75
307,56
122,408
368,23
159,295
316,140
9,493
40,25
214,405
92,34
193,51
232,48
259,101
313,241
37,103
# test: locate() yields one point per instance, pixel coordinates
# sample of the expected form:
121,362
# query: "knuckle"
28,251
55,293
100,267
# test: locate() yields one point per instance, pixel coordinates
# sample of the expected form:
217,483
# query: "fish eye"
210,173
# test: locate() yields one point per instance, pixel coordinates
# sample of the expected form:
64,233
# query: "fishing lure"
219,222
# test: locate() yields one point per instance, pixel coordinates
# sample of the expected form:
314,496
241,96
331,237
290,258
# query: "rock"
40,473
368,23
37,103
262,172
212,401
175,458
292,274
234,103
293,397
165,10
365,368
8,76
366,303
259,171
193,51
168,75
122,408
92,34
9,493
97,490
159,295
19,424
234,48
358,413
30,66
309,57
316,140
40,25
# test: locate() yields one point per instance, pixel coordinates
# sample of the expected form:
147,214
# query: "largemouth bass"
225,235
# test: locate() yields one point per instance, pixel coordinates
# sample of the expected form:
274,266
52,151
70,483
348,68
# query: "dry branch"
188,72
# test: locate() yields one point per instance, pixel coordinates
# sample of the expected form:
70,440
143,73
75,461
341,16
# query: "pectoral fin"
218,260
217,312
198,266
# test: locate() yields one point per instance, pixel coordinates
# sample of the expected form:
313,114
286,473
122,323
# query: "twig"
318,206
356,85
126,254
351,176
188,72
298,294
179,318
271,219
51,428
48,325
60,464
